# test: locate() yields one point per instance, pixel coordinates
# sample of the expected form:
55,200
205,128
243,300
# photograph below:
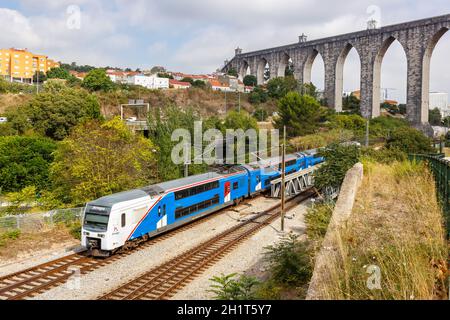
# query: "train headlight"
86,233
101,235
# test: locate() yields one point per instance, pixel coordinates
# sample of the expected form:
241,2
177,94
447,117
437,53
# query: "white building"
440,100
149,82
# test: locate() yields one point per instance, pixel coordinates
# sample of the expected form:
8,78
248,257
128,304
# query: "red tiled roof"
180,83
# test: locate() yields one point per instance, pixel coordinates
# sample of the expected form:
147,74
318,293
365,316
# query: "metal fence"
37,222
441,171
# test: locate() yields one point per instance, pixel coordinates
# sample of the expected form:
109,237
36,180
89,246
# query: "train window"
159,211
164,210
196,190
182,212
124,220
235,185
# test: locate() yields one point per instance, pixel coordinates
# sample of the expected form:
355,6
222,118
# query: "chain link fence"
37,222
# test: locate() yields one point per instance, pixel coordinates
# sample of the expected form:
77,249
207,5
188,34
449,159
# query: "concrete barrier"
330,251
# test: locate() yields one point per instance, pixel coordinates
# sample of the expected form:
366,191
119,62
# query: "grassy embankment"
396,226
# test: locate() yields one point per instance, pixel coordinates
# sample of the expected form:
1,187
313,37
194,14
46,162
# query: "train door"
162,216
227,192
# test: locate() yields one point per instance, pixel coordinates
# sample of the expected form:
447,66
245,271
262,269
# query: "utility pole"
37,82
367,132
283,180
239,95
226,107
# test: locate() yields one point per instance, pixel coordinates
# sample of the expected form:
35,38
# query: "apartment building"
20,64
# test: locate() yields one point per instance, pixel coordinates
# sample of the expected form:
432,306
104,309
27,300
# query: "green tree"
232,72
188,79
58,73
250,81
260,114
55,111
165,75
309,89
39,77
351,104
97,80
240,120
435,117
98,159
277,88
199,84
162,123
258,95
300,114
24,162
352,122
410,140
340,158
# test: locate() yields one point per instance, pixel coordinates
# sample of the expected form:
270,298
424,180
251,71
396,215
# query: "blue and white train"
123,220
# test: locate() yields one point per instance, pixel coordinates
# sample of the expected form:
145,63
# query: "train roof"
110,200
157,189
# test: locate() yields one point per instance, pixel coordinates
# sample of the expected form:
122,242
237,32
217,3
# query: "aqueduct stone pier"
418,39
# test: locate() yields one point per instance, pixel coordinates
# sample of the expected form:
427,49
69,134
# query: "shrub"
382,127
226,287
9,235
339,159
410,140
317,219
289,261
352,122
75,230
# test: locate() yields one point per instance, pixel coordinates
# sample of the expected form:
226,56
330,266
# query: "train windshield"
96,218
96,221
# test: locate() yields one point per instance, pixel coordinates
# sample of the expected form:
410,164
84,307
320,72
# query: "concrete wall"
330,250
418,39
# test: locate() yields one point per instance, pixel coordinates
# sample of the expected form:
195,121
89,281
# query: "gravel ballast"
246,258
107,278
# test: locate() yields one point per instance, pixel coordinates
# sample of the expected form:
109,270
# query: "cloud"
198,35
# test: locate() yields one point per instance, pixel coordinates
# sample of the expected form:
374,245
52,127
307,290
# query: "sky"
196,36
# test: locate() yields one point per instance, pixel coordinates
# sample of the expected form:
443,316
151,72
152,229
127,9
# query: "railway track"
164,281
41,278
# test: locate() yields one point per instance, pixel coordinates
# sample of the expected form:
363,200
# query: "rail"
440,168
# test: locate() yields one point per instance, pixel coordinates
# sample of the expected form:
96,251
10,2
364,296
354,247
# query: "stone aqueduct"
418,39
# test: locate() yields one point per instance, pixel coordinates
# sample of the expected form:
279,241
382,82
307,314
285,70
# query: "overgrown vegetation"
9,236
289,271
340,159
396,228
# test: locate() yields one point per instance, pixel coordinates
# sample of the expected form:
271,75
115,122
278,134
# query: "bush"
382,127
409,141
317,219
339,159
258,95
289,261
75,230
9,235
352,122
226,287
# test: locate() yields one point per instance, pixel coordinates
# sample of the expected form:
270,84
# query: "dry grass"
396,226
29,243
